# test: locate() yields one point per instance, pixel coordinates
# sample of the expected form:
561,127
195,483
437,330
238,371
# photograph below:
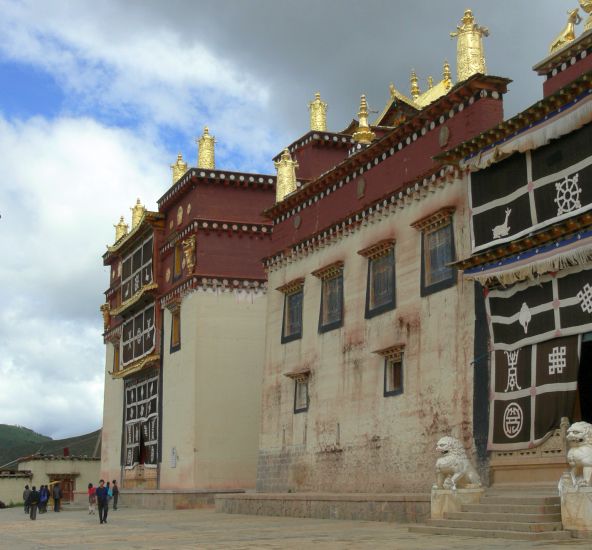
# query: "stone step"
501,516
490,533
516,499
489,525
513,508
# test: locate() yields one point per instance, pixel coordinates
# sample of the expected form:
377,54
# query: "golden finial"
106,311
586,5
120,229
469,47
568,33
415,91
205,155
363,134
318,114
137,213
286,176
430,82
447,75
179,168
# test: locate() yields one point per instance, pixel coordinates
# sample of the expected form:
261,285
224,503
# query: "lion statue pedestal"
457,482
575,486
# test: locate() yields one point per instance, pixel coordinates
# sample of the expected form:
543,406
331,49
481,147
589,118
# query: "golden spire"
447,75
286,176
415,91
568,33
137,213
363,134
318,114
120,229
205,154
179,168
469,47
430,82
586,5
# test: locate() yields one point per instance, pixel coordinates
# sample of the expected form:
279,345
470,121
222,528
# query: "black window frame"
392,303
287,297
428,289
388,363
297,382
338,323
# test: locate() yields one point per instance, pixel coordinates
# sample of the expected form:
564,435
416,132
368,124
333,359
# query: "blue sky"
97,99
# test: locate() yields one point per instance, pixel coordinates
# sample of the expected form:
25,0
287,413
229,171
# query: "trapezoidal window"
380,287
292,317
136,269
331,312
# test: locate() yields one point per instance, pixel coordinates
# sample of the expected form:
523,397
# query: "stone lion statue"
453,468
579,456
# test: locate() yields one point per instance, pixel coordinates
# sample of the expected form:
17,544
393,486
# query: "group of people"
97,497
37,499
100,496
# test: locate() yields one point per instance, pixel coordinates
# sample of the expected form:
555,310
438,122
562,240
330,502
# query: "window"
393,375
136,270
178,261
380,288
331,314
175,330
393,369
300,395
116,357
292,320
437,252
138,335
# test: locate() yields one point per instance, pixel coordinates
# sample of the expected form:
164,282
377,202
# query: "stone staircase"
517,516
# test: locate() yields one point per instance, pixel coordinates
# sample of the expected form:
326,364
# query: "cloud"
64,184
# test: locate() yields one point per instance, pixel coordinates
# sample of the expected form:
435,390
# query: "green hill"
17,442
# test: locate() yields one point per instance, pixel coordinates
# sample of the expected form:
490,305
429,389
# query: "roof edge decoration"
149,218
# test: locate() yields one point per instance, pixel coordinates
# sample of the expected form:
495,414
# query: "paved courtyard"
196,529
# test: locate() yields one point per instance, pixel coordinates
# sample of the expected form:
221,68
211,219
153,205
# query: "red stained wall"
396,171
314,159
551,85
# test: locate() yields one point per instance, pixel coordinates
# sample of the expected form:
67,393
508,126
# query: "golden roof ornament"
568,33
121,229
318,114
137,213
469,47
205,153
415,91
586,5
430,82
179,168
447,76
286,176
363,134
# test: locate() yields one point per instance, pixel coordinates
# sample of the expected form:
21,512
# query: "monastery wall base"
170,499
399,508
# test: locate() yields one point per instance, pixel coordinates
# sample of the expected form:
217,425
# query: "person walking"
102,501
57,496
33,502
43,498
26,494
92,498
115,491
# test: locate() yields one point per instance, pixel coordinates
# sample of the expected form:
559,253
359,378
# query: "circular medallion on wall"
179,215
188,208
167,275
171,224
297,221
361,188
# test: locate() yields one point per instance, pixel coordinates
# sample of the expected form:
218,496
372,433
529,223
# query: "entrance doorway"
67,485
583,407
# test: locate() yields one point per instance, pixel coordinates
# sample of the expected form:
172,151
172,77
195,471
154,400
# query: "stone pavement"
205,529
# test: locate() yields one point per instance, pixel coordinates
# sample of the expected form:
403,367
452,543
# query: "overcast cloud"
98,97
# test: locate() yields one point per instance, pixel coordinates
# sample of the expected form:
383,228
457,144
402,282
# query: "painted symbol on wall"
512,357
502,230
513,418
568,195
585,298
557,360
525,316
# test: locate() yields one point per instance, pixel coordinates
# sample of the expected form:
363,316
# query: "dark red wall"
397,171
314,159
551,85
